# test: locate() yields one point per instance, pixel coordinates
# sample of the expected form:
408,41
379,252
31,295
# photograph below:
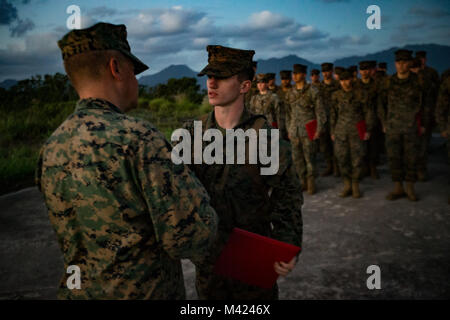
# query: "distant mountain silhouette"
8,83
173,71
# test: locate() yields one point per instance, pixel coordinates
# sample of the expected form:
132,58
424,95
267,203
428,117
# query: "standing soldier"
305,105
286,78
368,87
354,72
349,107
269,205
327,87
399,106
373,68
253,90
268,104
428,104
315,77
337,72
122,211
271,82
443,115
382,66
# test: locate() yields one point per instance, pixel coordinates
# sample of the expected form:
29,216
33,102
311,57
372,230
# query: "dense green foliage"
32,109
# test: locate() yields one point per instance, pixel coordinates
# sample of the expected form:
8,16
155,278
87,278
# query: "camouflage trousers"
211,286
375,144
402,154
304,156
350,151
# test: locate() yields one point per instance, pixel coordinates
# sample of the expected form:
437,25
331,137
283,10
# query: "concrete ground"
410,242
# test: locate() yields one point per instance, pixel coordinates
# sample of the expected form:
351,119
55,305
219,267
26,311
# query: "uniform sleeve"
333,113
442,107
179,206
321,115
287,200
382,103
369,111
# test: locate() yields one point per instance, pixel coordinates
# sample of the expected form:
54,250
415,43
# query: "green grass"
23,131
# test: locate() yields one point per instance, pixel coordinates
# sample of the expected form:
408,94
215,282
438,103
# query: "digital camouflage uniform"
443,114
348,108
399,103
284,74
304,105
121,210
271,107
269,205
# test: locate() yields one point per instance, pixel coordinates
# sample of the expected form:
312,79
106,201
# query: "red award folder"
311,128
361,126
275,125
249,257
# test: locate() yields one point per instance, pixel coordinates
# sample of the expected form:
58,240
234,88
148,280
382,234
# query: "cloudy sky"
168,32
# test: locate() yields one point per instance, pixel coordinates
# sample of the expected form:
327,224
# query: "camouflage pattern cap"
403,54
382,65
101,36
421,54
338,70
285,74
345,74
364,65
315,72
225,62
261,77
327,66
300,68
270,75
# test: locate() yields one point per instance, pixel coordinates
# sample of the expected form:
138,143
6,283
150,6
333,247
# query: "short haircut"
246,74
90,65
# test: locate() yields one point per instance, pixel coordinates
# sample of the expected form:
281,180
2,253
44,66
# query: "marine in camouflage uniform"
254,89
443,115
269,205
399,106
305,105
429,102
122,211
268,104
315,78
286,78
327,87
349,106
271,82
369,87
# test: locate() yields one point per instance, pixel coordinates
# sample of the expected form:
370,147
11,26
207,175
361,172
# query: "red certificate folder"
275,125
361,126
311,128
249,257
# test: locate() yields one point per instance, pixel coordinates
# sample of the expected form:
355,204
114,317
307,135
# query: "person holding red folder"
267,205
351,114
306,121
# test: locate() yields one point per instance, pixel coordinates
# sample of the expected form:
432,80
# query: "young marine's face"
402,66
271,83
327,75
346,84
314,78
262,86
285,82
298,77
365,74
223,91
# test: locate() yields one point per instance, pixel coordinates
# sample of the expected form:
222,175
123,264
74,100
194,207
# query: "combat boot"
311,186
329,170
355,190
373,171
336,172
410,191
347,188
397,193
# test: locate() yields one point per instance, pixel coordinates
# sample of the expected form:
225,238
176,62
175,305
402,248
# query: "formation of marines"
125,214
357,119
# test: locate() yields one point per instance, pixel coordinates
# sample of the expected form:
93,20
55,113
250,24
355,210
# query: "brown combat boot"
347,189
373,171
336,171
329,170
410,191
311,186
397,193
355,190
